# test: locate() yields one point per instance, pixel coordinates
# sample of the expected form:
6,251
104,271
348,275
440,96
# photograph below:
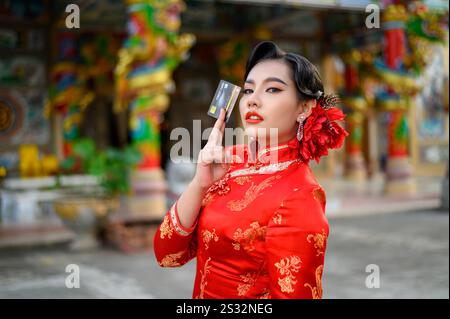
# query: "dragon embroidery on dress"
203,282
208,236
319,241
171,260
287,267
250,195
249,280
166,228
317,291
246,238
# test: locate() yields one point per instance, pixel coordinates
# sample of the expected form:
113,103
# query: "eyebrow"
269,79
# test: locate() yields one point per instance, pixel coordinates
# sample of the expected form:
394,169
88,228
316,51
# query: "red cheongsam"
261,231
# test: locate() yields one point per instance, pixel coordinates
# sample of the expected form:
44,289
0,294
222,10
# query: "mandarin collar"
278,153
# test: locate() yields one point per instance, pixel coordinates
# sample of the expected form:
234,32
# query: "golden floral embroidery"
286,267
207,199
203,282
221,186
166,228
208,236
249,280
319,241
241,180
317,291
319,195
277,219
247,237
171,260
252,192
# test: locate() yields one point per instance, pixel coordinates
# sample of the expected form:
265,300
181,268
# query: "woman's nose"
253,101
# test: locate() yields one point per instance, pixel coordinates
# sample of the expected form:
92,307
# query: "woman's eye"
270,90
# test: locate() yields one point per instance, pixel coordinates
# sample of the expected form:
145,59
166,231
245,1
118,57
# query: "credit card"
225,97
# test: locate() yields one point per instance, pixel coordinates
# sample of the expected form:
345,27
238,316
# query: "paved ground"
411,250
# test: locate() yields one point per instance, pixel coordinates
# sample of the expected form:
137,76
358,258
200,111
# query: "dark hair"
305,74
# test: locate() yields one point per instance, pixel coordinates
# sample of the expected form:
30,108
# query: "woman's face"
270,92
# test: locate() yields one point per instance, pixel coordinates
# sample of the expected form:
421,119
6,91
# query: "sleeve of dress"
296,242
173,244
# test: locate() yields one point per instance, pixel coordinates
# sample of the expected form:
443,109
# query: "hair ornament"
321,130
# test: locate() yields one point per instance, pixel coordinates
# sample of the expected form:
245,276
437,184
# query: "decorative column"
84,71
150,53
395,100
69,98
356,106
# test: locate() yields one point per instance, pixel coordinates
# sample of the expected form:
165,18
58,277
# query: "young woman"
255,216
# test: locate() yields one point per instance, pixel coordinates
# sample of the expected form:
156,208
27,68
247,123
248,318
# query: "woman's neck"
268,142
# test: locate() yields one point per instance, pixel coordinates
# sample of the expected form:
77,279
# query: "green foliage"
112,166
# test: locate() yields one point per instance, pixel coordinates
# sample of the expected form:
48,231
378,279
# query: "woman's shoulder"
304,178
305,189
304,207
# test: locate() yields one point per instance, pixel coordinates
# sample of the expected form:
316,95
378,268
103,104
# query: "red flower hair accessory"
321,131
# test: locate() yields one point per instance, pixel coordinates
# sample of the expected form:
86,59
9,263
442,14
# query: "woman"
257,225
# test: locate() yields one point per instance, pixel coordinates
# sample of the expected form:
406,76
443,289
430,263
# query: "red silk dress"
261,230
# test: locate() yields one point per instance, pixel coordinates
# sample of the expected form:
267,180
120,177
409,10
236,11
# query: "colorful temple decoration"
151,52
143,79
356,107
398,134
425,28
84,69
407,35
67,95
400,82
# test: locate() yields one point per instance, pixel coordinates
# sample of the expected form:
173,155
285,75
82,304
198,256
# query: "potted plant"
85,212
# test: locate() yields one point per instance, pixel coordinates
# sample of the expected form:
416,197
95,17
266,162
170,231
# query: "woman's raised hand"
213,162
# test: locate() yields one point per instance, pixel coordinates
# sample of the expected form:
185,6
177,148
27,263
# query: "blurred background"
90,92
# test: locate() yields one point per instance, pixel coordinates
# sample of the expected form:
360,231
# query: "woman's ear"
306,107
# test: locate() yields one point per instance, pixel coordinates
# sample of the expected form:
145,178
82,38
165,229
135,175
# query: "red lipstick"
253,117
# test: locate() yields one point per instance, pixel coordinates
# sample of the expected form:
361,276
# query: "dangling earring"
300,128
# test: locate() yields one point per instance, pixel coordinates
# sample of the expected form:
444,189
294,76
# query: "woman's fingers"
216,135
214,154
